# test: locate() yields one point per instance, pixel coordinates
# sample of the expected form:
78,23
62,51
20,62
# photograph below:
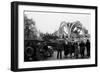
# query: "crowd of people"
74,49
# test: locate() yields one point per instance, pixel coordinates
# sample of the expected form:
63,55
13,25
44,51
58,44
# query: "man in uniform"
59,49
82,48
88,48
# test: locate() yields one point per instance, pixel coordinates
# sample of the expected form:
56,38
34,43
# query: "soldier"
76,49
82,48
59,49
70,48
66,51
88,48
73,49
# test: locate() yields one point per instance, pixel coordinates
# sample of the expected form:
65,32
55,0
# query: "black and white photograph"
53,36
56,36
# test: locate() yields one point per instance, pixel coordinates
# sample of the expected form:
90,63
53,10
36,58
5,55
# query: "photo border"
14,35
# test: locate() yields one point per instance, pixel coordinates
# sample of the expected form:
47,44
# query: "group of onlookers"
77,49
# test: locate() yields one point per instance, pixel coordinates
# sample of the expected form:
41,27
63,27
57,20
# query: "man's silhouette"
88,48
59,49
82,48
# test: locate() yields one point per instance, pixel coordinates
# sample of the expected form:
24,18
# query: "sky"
50,22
